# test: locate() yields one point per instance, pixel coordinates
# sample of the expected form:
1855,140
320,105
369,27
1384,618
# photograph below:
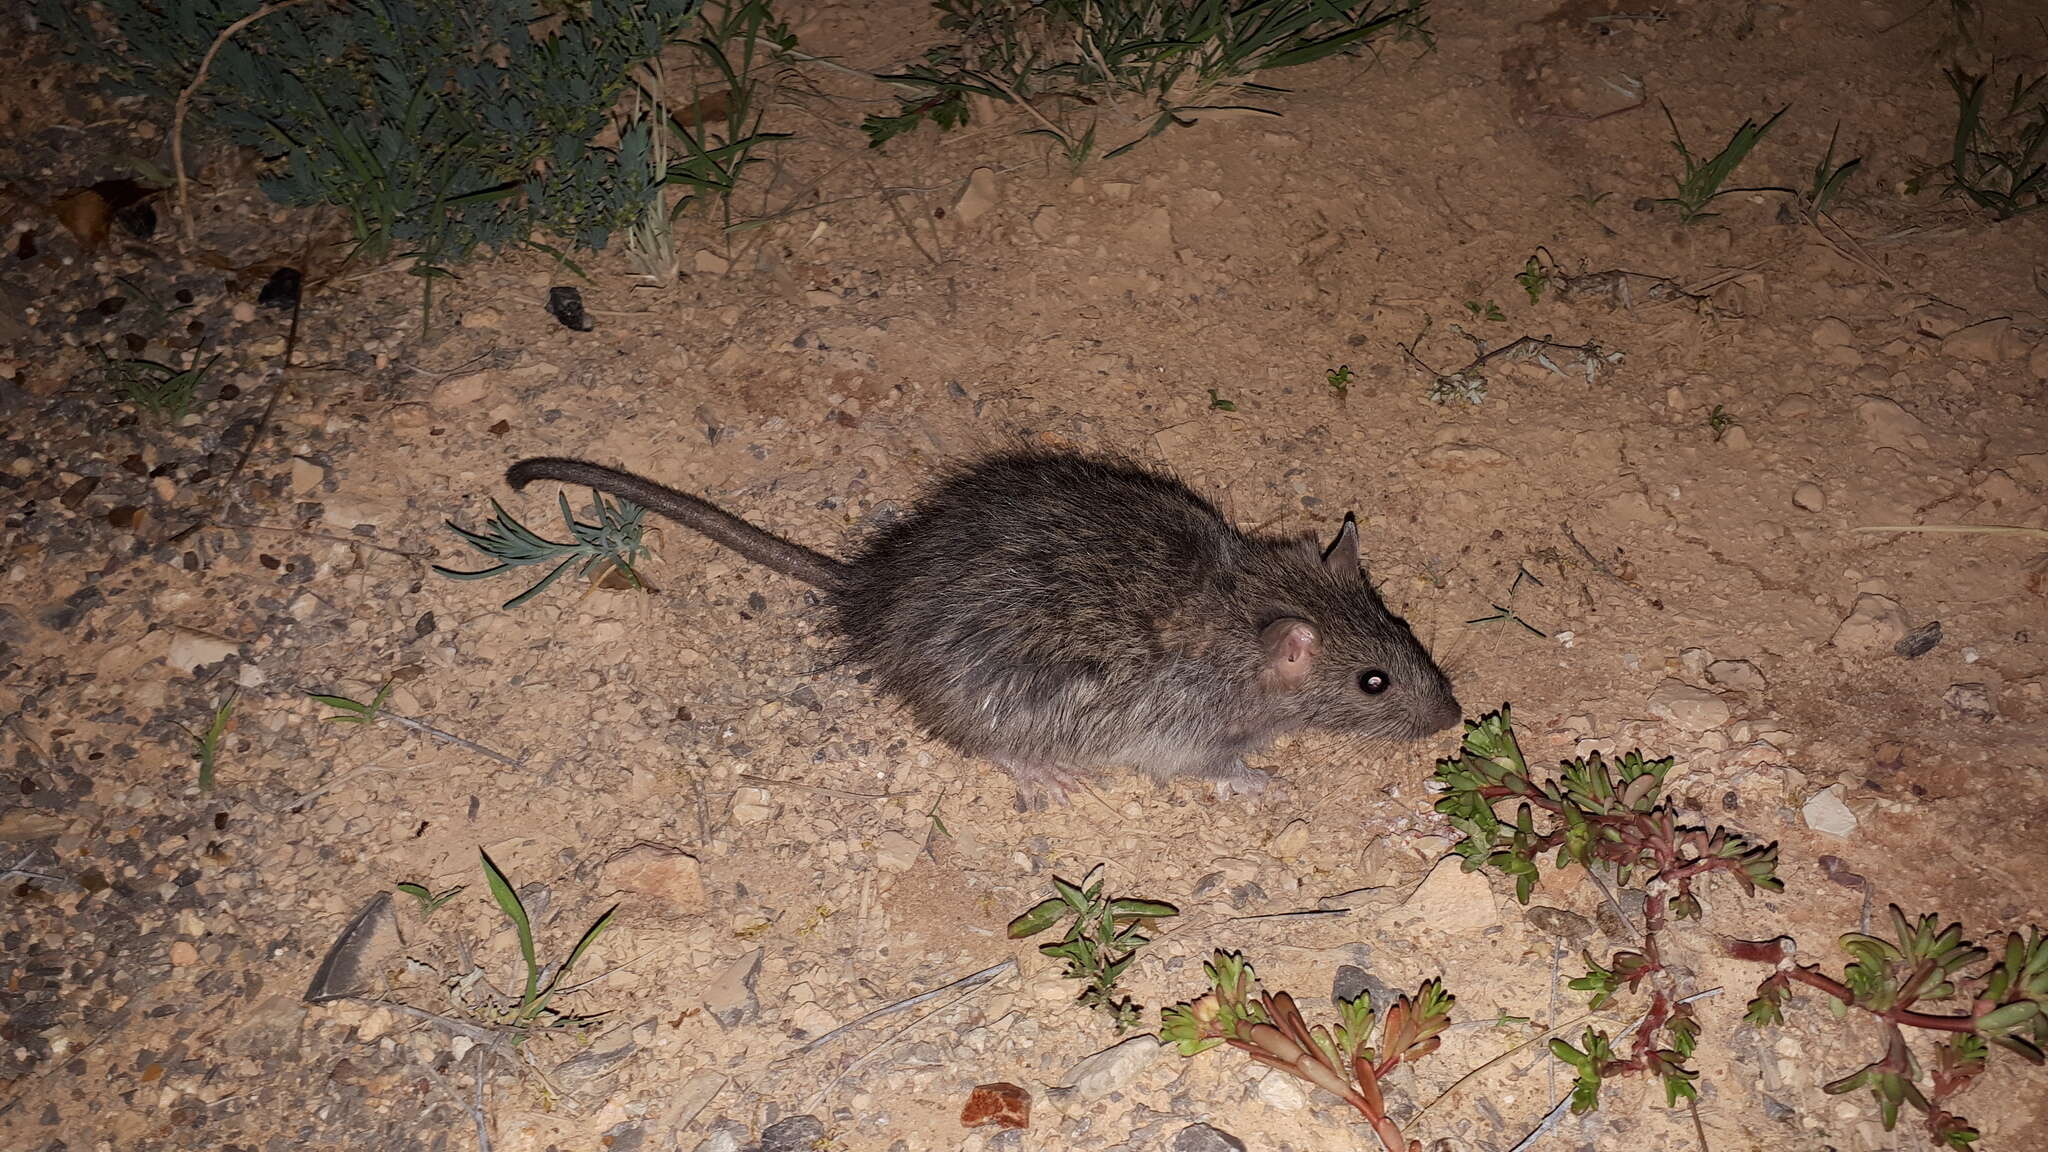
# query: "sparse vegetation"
2000,158
430,900
1219,404
435,128
1534,278
1101,941
700,137
1339,379
1489,311
158,390
1701,183
610,542
1828,178
1268,1027
541,986
355,711
1081,69
1720,420
206,745
1614,814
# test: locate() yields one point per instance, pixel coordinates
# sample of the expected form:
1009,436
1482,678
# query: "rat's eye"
1372,682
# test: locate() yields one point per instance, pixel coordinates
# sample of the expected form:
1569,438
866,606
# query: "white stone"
1825,813
1451,899
1110,1069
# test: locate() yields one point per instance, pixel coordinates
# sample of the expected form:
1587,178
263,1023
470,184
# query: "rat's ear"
1341,557
1290,645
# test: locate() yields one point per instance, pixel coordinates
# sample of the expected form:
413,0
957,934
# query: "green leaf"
1040,917
508,901
1145,908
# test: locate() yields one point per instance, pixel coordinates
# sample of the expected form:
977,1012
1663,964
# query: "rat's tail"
765,548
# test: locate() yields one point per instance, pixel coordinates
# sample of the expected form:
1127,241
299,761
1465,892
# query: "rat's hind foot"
1234,777
1041,786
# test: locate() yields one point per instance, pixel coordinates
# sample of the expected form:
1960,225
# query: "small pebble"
1810,497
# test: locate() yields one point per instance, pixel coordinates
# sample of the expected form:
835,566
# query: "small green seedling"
1702,183
206,745
1219,404
164,392
1720,420
1487,311
609,542
1533,278
1100,943
355,711
533,1001
1828,178
429,899
1340,379
1342,1060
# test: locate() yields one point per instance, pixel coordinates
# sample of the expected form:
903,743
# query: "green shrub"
1157,62
436,126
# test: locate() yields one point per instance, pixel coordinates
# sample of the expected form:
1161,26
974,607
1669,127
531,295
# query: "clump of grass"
158,390
1828,178
1151,64
2000,157
1101,941
609,542
701,138
1701,183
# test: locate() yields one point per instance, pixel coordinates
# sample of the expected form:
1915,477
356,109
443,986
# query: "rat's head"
1333,657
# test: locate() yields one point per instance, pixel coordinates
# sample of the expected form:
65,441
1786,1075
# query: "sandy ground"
785,852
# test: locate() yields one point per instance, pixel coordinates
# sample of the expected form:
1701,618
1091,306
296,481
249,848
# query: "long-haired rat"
1054,613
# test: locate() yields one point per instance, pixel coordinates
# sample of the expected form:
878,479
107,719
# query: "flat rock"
980,195
1832,332
1886,424
1973,700
1451,899
1810,496
1290,841
191,650
1203,1138
1106,1071
667,879
1281,1091
1985,342
1740,675
1825,813
1694,709
1002,1104
1876,623
795,1134
730,996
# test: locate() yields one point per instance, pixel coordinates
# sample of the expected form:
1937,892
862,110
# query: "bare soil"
787,854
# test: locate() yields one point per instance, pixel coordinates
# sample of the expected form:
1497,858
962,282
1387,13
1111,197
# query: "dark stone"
796,1134
1203,1138
281,290
565,304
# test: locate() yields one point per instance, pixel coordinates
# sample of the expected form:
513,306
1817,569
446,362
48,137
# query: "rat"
1055,613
